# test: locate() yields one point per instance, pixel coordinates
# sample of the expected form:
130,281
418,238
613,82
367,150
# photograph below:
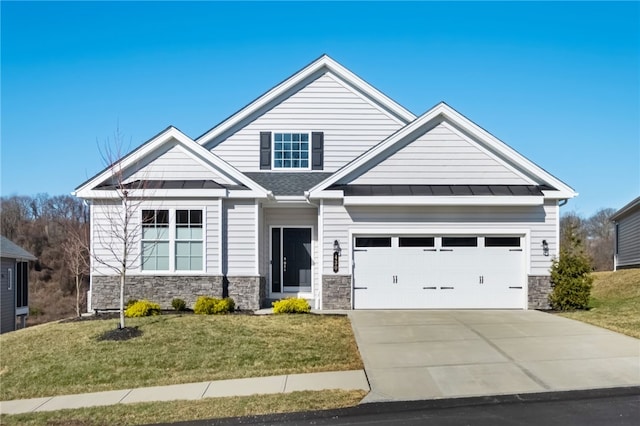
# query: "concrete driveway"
412,355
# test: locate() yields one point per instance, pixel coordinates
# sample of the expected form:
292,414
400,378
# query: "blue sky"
558,82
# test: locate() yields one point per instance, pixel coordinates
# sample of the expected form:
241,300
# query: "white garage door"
439,272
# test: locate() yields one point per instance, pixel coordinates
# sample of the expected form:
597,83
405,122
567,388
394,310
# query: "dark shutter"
317,150
265,150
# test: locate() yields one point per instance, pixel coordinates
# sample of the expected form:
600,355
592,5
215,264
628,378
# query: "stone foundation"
247,292
336,292
539,289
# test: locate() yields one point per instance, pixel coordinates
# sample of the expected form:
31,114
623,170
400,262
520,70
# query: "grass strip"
174,411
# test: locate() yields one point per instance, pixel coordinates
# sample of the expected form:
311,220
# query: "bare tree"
118,233
76,257
600,231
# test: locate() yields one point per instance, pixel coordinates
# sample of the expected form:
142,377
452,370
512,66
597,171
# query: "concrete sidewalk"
345,380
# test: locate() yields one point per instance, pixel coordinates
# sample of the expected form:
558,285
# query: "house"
324,188
14,285
627,236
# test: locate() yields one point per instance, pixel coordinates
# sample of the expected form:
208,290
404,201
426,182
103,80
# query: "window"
373,242
155,240
502,241
459,242
416,242
189,240
22,289
291,151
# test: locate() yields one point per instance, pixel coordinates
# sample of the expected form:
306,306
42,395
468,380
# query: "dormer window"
291,150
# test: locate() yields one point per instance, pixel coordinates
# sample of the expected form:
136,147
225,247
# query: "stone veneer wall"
539,289
247,292
336,292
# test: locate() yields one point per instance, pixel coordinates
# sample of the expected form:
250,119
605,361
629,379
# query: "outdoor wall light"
545,248
336,247
336,256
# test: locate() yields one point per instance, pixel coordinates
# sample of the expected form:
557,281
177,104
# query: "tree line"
55,229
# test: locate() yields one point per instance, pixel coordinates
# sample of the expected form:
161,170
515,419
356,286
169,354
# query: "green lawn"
174,411
615,302
66,358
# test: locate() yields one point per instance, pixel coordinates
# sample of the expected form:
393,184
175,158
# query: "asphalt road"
610,407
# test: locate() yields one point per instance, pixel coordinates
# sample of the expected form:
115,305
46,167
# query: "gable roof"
11,250
412,130
318,67
627,209
170,134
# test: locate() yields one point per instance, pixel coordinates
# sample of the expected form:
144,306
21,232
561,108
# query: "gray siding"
441,156
539,221
628,242
7,296
351,124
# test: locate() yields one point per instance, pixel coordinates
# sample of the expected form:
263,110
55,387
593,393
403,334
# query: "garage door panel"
450,277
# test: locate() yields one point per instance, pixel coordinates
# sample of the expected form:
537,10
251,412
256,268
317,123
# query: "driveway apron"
413,355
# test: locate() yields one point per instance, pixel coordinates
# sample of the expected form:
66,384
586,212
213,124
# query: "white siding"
540,221
107,233
240,238
351,125
108,237
629,240
441,156
176,164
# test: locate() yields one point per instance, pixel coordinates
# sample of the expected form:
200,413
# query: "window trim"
188,240
273,151
172,242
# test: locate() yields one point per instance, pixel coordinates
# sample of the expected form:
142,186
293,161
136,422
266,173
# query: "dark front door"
290,259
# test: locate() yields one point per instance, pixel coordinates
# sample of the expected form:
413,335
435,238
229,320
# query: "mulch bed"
120,334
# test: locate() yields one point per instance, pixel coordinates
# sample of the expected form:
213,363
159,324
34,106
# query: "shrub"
210,305
142,308
291,305
572,281
179,304
130,302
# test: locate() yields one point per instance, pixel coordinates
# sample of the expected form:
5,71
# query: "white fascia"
444,201
201,154
323,62
444,112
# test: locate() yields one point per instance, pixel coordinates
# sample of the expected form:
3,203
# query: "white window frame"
156,240
273,151
172,242
189,240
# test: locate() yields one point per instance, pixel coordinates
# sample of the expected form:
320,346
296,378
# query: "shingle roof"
288,183
440,190
13,251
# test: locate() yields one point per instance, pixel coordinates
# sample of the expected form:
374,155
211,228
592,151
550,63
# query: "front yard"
66,358
615,302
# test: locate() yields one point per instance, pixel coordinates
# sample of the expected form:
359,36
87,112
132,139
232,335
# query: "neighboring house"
14,285
627,236
326,189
